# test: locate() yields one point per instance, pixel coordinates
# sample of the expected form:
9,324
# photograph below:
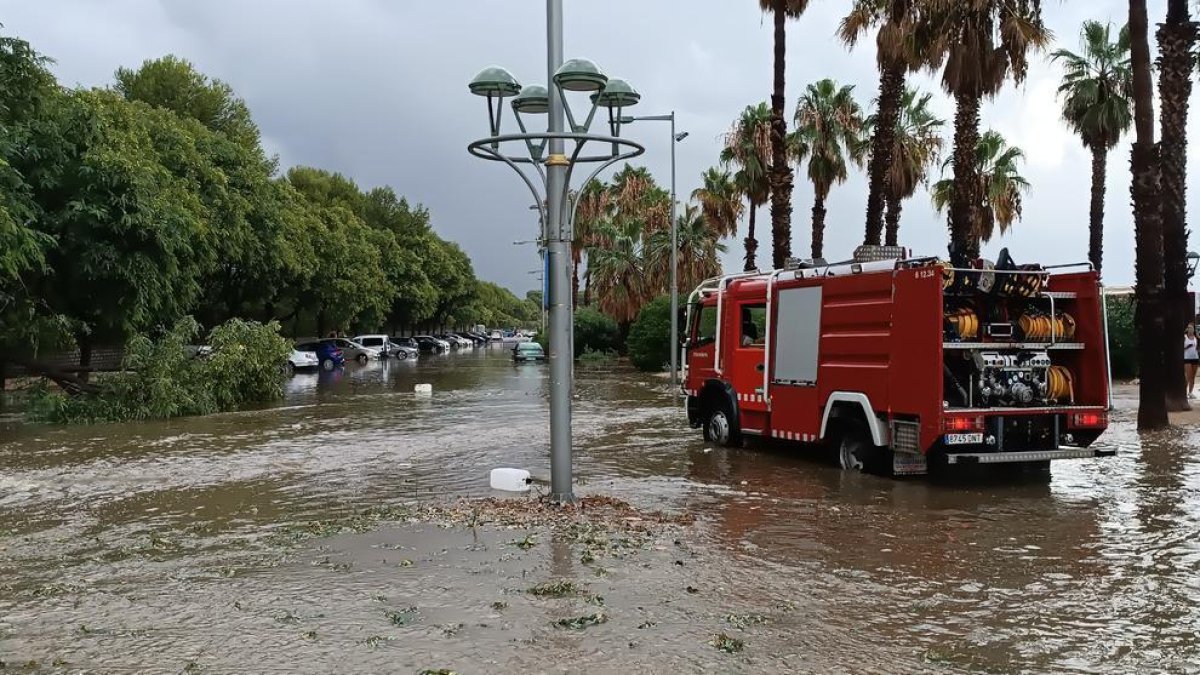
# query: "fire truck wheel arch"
714,393
842,403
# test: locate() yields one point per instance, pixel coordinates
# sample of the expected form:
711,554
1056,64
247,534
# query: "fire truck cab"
899,361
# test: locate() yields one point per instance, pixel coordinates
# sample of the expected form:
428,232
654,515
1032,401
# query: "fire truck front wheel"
719,428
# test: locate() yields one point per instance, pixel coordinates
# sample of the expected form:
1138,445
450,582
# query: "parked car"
528,351
349,348
379,343
475,341
327,353
301,360
405,347
455,341
431,345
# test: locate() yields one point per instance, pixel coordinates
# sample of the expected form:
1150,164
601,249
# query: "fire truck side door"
747,354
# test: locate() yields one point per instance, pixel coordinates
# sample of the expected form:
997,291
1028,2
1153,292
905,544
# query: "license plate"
964,439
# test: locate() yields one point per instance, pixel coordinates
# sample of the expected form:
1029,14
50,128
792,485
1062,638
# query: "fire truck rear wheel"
719,429
855,451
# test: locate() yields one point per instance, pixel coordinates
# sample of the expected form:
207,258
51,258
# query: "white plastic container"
510,480
423,390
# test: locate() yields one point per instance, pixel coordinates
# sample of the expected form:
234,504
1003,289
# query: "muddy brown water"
149,547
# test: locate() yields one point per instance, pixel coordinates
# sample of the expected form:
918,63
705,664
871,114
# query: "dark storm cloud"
377,90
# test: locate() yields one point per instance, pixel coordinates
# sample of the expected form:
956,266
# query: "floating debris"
401,617
310,635
729,645
741,621
404,562
581,622
450,629
499,605
525,544
373,641
439,671
647,624
554,589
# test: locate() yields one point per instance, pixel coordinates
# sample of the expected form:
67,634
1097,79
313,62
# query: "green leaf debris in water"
729,645
554,589
402,617
741,621
527,543
581,622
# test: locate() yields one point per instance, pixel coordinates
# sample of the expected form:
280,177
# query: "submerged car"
431,345
528,351
387,346
301,360
349,349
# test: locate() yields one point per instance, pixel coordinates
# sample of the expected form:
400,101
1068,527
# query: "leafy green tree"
26,87
116,186
349,282
595,331
174,83
649,341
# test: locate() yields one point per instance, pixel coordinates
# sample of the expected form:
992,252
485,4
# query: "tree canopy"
125,209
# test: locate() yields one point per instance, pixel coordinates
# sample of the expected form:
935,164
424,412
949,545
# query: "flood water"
140,547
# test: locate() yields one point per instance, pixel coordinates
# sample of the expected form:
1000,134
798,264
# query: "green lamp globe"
494,81
580,75
617,94
534,99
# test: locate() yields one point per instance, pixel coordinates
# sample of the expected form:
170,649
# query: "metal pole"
558,248
674,275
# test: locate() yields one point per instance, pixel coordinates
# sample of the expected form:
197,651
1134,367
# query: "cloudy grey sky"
376,89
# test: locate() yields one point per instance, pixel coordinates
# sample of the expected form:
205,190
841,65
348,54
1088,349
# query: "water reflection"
1092,570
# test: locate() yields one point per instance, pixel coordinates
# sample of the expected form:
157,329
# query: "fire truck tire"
720,428
857,453
853,450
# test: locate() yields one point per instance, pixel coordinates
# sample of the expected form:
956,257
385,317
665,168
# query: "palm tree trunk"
891,95
964,232
1152,403
750,241
781,171
587,287
574,284
818,226
892,219
1096,217
1175,40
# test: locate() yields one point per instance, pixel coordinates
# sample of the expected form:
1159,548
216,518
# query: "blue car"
327,353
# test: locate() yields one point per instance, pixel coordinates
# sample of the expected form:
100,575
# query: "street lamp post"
545,156
675,139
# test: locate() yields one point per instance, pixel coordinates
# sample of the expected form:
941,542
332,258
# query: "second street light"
676,137
549,164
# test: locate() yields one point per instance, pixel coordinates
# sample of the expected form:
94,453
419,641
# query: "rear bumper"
1025,456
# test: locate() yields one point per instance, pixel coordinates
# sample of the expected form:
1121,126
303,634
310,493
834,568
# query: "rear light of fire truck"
1089,420
956,424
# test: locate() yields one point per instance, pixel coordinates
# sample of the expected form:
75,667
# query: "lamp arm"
537,197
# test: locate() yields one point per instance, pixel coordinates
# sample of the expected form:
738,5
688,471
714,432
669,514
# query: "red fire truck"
902,362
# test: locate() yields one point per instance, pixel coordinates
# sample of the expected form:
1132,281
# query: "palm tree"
593,204
1176,40
902,46
719,201
781,170
984,44
1097,90
748,146
698,252
1148,235
999,186
917,147
618,269
829,126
